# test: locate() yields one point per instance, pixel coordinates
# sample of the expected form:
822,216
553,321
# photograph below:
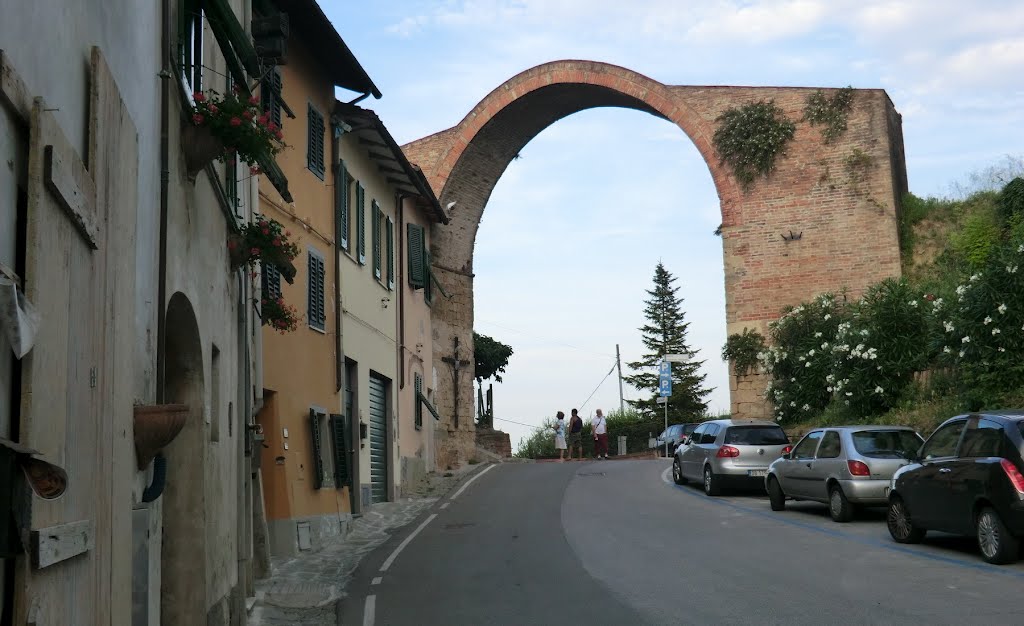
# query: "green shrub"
1011,199
742,349
750,139
980,232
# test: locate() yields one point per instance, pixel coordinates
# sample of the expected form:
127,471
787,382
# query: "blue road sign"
665,379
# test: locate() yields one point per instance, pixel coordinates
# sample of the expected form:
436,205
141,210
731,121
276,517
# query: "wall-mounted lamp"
793,236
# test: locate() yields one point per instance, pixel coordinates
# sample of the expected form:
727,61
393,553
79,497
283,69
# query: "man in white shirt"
600,426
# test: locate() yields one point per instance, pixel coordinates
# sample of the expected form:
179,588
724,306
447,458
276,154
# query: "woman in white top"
560,436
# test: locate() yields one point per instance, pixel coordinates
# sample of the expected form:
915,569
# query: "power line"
598,386
502,419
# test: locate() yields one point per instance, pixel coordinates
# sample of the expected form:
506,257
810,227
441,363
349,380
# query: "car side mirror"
786,455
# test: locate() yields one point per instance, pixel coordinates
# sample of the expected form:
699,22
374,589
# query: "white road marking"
401,546
445,505
470,481
370,610
664,476
376,581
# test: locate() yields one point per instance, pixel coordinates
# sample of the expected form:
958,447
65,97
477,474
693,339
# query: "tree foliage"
491,360
665,333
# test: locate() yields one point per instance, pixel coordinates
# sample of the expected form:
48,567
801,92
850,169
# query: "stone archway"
183,553
846,222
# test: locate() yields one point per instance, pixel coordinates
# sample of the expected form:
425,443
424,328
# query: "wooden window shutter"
318,460
315,142
270,95
339,435
361,223
315,281
341,204
417,272
389,236
375,215
271,281
419,404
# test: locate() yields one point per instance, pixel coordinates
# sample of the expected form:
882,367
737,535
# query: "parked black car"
966,479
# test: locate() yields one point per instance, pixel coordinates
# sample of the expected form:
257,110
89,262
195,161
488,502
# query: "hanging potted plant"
223,126
263,240
279,315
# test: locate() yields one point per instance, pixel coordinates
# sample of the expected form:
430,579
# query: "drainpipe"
339,350
161,321
399,288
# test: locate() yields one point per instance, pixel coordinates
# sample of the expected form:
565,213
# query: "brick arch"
847,219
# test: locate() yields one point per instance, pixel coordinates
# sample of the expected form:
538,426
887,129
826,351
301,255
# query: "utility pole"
618,364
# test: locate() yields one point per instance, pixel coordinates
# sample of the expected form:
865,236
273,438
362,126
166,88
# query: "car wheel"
775,495
677,472
997,544
838,506
900,526
711,487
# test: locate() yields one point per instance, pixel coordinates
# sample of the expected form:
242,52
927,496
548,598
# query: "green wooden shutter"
390,240
428,282
315,142
321,313
315,281
318,460
418,413
271,281
361,222
270,95
341,204
375,215
417,272
339,434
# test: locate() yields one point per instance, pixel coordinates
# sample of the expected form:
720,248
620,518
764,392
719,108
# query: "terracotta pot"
200,147
238,251
155,427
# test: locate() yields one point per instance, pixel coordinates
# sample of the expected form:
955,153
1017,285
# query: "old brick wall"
840,200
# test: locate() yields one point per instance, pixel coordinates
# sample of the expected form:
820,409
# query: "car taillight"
727,452
858,468
1013,474
787,449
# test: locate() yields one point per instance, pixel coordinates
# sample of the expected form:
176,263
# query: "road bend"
614,542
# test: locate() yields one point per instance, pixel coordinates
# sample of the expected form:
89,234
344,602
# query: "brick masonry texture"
841,199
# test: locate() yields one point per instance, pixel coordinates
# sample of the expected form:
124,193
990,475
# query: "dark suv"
966,480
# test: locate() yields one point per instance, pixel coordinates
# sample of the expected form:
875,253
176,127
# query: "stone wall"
495,441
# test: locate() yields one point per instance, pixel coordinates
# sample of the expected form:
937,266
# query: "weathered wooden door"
76,397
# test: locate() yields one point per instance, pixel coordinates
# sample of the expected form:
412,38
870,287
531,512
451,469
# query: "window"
190,44
361,223
710,434
315,143
271,282
805,449
886,444
943,442
270,95
376,216
418,390
831,446
389,241
698,433
756,436
341,201
981,439
315,280
323,465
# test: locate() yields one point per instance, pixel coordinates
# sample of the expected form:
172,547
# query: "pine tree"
665,333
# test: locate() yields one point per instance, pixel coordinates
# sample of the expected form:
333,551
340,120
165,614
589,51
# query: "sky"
571,235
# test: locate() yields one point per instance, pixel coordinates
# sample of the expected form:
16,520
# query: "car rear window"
756,436
886,444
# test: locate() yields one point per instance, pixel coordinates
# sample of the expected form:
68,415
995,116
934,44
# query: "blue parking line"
1002,570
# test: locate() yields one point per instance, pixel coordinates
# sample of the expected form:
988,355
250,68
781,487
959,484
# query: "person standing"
576,433
559,428
600,426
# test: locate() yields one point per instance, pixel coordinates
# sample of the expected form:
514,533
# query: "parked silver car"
844,467
726,453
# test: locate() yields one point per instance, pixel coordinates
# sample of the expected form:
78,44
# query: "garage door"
378,440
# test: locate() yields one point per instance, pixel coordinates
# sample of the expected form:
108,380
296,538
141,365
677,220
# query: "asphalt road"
614,542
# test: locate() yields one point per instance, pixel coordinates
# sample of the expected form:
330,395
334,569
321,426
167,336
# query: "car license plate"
761,473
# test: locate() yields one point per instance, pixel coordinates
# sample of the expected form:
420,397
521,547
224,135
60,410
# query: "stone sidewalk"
305,590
